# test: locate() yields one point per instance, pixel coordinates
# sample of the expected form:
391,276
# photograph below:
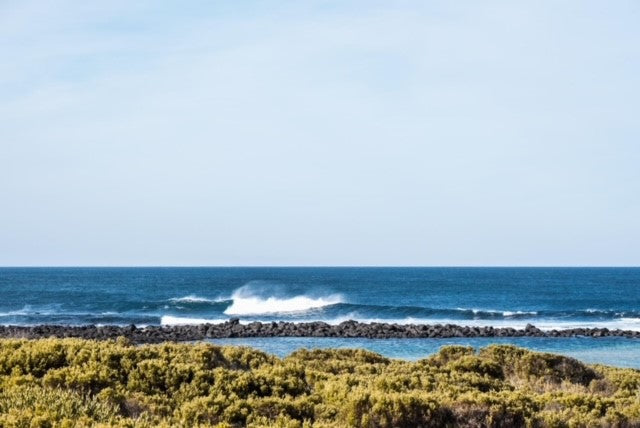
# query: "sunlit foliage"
73,382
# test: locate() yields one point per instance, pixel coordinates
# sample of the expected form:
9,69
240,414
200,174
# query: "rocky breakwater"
233,328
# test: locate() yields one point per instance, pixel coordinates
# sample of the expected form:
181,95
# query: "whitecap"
497,312
257,305
172,320
192,298
256,300
514,313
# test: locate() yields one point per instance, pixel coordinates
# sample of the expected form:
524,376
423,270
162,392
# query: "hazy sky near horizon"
320,133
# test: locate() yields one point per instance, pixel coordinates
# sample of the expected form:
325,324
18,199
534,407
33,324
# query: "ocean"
550,298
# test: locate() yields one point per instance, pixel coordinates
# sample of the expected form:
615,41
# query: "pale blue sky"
320,133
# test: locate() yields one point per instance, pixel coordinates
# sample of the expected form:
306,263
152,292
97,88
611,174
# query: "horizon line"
318,266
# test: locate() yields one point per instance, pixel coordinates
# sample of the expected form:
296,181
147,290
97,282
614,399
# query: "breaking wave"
173,320
252,300
332,296
191,298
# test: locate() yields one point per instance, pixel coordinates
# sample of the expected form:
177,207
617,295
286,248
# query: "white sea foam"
195,299
543,324
478,311
621,323
253,299
258,305
171,320
513,313
497,312
31,310
598,311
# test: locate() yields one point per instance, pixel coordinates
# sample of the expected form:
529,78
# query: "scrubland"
74,382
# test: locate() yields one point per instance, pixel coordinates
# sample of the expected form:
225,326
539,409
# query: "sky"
344,132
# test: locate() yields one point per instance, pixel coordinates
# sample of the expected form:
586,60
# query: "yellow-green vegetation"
73,382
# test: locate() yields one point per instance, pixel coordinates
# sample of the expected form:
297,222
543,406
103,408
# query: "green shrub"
72,382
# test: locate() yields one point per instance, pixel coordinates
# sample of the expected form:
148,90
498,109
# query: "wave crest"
192,298
252,300
172,320
496,313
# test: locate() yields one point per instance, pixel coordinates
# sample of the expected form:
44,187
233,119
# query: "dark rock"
233,328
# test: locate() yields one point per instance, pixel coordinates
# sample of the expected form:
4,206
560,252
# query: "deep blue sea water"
546,297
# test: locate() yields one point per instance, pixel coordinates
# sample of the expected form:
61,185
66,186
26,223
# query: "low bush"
73,382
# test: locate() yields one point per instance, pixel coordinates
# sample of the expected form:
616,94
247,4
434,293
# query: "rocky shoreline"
233,328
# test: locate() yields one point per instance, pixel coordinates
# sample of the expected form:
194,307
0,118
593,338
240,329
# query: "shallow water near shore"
613,351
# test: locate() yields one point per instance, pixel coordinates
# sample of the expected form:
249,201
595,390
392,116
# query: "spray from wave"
257,299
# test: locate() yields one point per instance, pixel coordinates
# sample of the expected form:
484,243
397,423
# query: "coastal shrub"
541,367
448,354
480,366
37,406
366,409
74,382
